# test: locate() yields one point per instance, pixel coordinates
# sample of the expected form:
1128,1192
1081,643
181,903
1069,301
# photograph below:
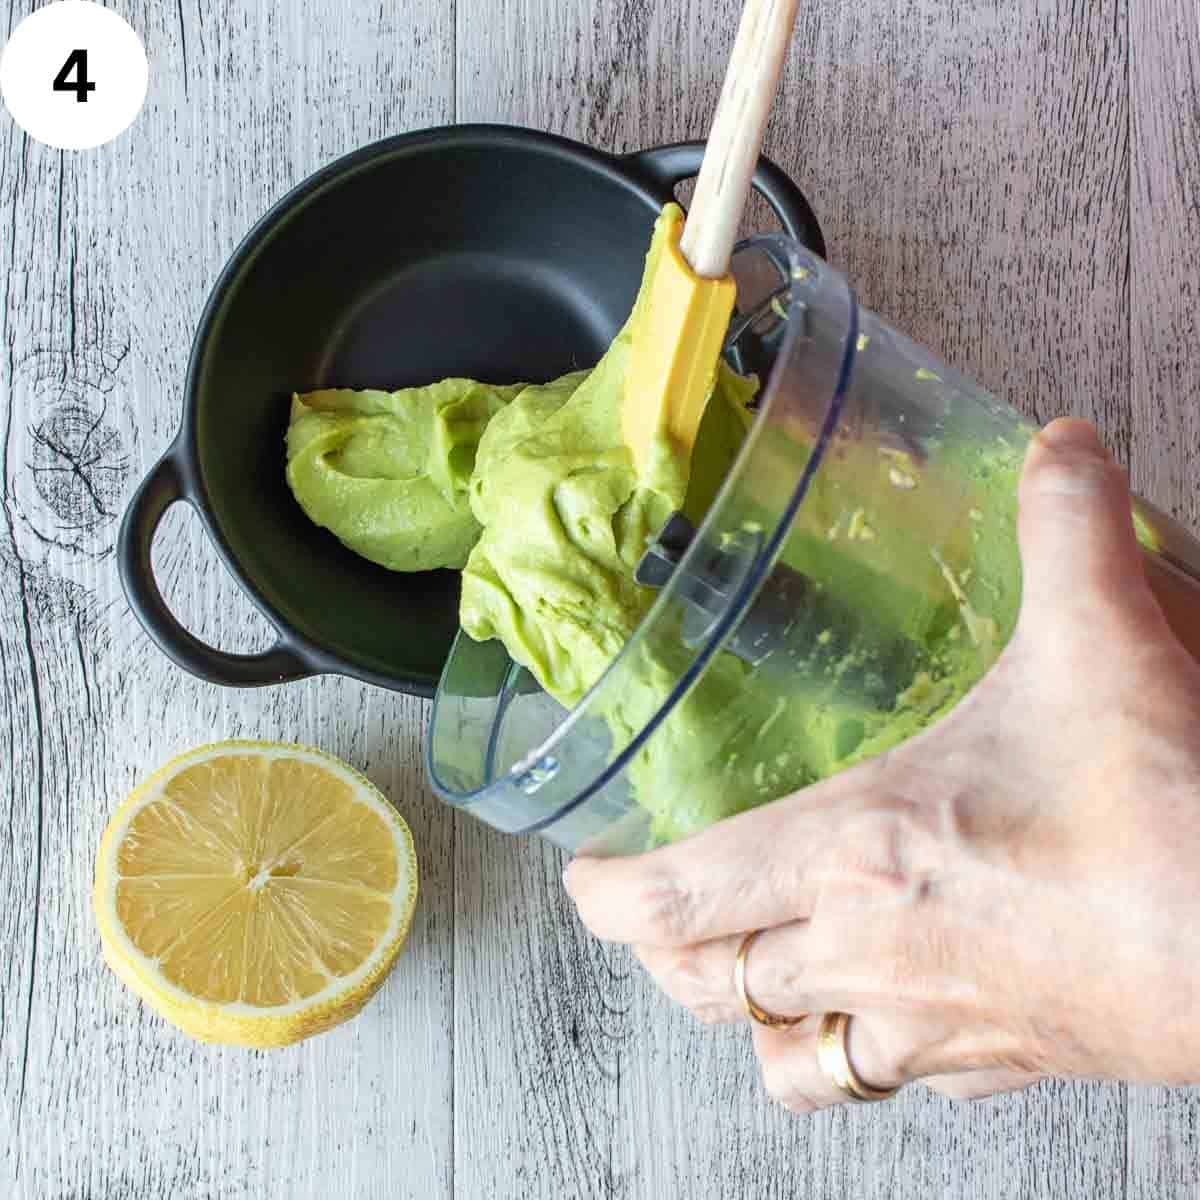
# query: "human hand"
1014,893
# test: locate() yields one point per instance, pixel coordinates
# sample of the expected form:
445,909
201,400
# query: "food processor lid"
499,745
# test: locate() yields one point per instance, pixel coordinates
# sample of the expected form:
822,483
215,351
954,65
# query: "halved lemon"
254,893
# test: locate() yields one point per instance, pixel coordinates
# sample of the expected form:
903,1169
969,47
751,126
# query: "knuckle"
678,973
781,977
667,911
682,975
1036,1054
881,848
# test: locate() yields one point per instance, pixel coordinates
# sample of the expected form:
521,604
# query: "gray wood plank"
1165,253
1164,1149
970,166
107,258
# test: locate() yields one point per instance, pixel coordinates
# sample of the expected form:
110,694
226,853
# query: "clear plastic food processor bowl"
855,575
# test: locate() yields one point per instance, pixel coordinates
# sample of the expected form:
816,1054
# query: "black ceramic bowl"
484,251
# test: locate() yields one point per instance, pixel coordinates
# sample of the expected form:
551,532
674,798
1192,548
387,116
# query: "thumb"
1079,556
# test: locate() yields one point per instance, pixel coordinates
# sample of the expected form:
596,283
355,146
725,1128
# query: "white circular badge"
74,74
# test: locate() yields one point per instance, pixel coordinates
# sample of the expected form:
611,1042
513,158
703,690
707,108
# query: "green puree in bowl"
389,472
531,490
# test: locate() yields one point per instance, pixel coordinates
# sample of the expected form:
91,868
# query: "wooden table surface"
1016,183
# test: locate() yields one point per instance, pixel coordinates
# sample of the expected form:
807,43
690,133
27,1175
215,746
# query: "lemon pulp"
255,893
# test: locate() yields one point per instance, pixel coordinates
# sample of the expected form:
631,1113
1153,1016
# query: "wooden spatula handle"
737,133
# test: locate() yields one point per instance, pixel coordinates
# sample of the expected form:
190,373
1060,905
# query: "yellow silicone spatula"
674,359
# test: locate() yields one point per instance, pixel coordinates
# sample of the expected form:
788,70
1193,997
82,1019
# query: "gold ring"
770,1020
835,1061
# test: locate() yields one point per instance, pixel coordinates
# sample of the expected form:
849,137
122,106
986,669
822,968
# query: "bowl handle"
669,166
158,491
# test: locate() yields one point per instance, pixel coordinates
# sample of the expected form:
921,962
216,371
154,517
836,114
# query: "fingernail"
566,877
1073,433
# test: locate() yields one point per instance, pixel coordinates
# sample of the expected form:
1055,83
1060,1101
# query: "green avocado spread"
532,492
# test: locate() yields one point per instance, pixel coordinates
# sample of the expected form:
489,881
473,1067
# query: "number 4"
77,62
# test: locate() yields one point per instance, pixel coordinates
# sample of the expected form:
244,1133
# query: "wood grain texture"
1164,1147
1165,254
970,166
973,170
107,258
